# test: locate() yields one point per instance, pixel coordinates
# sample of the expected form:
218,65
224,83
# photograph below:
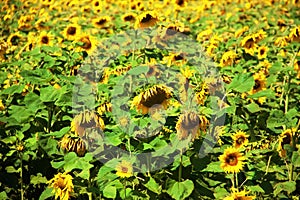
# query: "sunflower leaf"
241,83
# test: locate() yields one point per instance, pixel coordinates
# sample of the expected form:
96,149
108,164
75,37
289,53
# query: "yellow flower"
146,20
2,107
219,132
228,58
174,59
89,43
249,44
62,185
236,195
124,169
73,144
240,32
294,35
103,108
262,52
87,119
286,137
232,161
45,39
129,17
201,93
240,139
189,124
204,35
101,22
14,39
281,41
297,67
72,31
260,82
151,98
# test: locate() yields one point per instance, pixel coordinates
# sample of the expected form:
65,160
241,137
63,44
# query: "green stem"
180,168
21,177
236,181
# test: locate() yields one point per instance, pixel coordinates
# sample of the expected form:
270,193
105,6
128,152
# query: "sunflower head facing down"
62,185
124,169
151,98
190,124
85,120
232,161
240,139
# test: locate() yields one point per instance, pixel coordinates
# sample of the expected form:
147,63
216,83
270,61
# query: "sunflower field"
150,99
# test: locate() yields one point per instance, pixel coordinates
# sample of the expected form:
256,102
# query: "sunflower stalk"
180,167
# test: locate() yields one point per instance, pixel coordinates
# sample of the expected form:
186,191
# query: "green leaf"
110,192
58,134
49,94
264,93
153,186
14,89
11,169
20,113
253,107
296,158
255,188
3,195
39,178
288,186
213,167
241,83
33,102
138,70
180,190
46,194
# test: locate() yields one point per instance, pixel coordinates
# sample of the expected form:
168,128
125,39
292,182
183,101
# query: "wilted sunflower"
190,124
201,93
232,161
62,185
146,20
72,31
236,195
45,38
88,43
124,169
151,98
262,52
85,120
104,107
286,137
240,139
73,144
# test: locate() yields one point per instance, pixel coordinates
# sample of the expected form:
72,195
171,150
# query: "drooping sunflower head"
146,20
228,58
62,185
294,35
190,124
72,31
124,169
152,97
73,144
85,120
240,139
232,161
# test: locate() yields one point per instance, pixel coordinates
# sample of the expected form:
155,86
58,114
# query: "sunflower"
104,107
85,120
241,31
249,44
201,93
297,67
88,43
3,48
228,58
73,144
62,185
232,161
190,123
45,38
260,82
151,98
146,20
72,31
236,195
177,59
294,35
262,52
281,41
240,139
101,22
124,169
129,17
14,39
285,138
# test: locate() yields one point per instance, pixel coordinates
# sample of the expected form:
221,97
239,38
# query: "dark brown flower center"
71,30
45,40
240,140
14,40
231,159
147,18
124,169
257,84
86,43
156,97
101,22
128,18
